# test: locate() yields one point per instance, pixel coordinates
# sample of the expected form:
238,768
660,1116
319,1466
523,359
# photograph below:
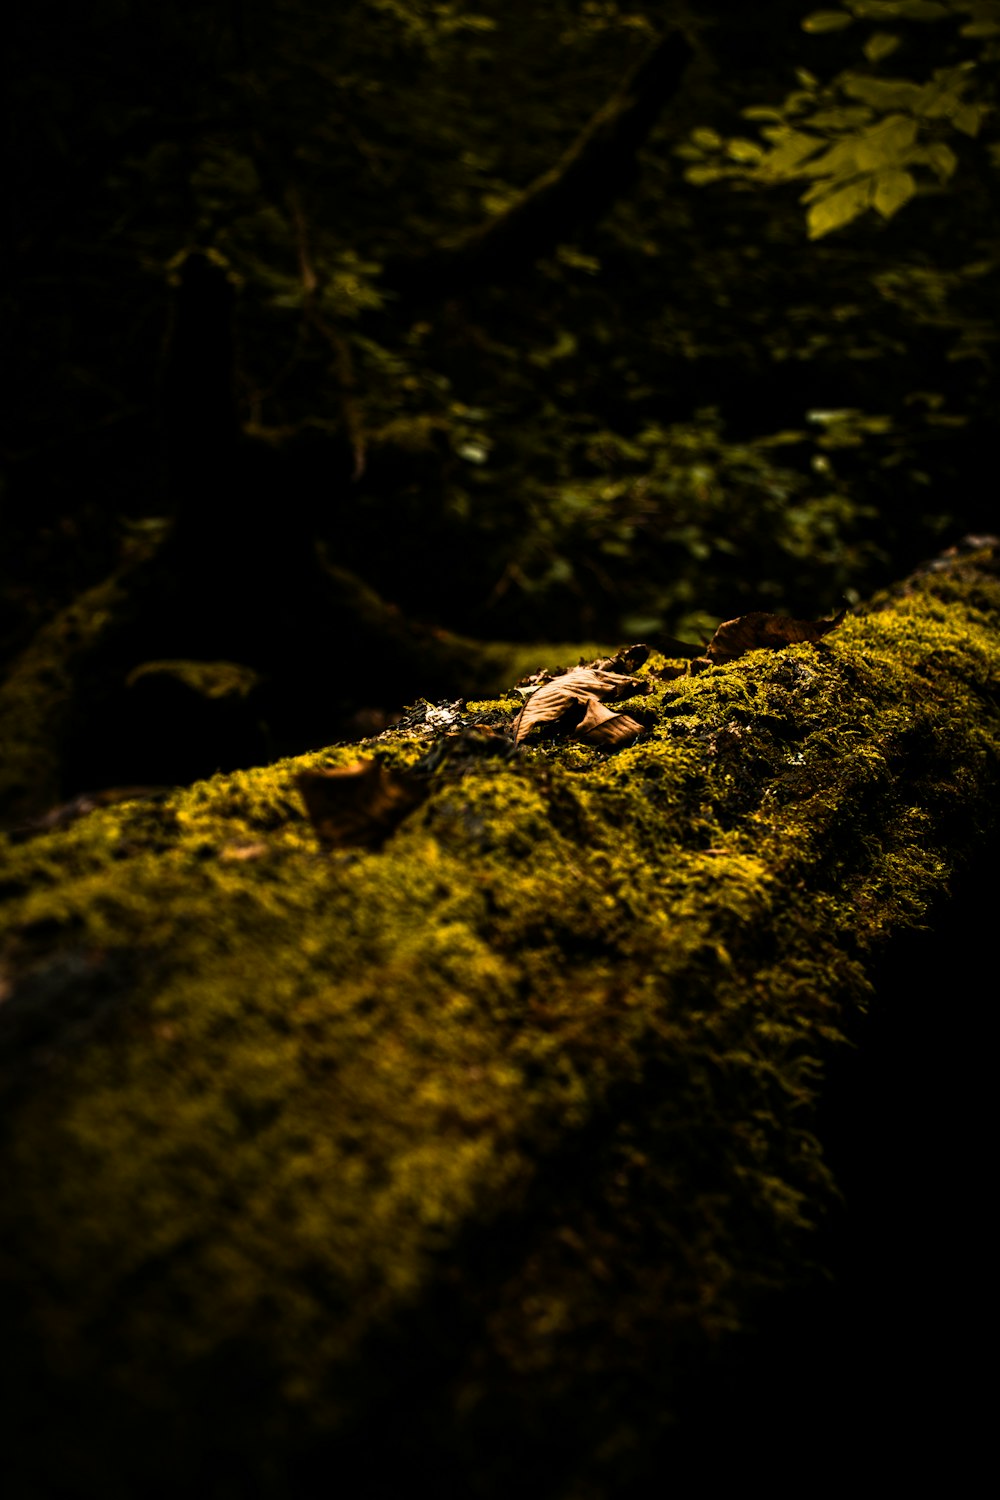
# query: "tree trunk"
452,1146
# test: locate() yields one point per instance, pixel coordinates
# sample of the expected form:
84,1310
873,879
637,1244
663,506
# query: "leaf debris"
359,804
572,703
759,630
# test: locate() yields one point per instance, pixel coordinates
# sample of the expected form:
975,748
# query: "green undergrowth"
482,1126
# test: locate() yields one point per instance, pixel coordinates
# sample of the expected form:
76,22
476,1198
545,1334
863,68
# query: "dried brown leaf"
599,726
571,705
754,631
360,803
629,659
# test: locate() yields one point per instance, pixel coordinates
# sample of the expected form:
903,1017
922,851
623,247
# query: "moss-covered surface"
71,695
401,1154
38,694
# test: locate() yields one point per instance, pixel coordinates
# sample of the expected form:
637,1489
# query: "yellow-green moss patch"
546,1058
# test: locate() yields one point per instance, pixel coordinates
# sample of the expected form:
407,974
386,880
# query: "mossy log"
452,1154
78,712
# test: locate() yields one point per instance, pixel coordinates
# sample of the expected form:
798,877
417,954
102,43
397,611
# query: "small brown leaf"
571,705
599,726
628,659
232,853
754,631
361,803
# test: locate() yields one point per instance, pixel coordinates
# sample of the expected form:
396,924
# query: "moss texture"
311,1154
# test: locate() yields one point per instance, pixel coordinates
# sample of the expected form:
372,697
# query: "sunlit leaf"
942,158
801,99
840,160
892,189
827,20
943,95
569,255
845,117
968,118
839,208
885,143
880,44
699,175
839,414
743,150
473,453
794,149
780,439
827,185
883,93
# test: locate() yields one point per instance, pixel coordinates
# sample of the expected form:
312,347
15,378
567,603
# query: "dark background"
276,314
269,368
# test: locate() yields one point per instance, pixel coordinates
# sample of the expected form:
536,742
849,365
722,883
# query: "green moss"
546,1059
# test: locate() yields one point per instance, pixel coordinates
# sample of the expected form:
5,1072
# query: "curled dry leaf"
628,659
360,803
751,632
572,704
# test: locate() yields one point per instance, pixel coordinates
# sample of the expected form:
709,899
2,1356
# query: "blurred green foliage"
612,442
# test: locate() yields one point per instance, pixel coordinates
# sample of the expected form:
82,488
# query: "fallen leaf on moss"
751,632
629,659
360,803
572,705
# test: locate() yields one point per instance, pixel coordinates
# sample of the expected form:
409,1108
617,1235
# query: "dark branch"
578,191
